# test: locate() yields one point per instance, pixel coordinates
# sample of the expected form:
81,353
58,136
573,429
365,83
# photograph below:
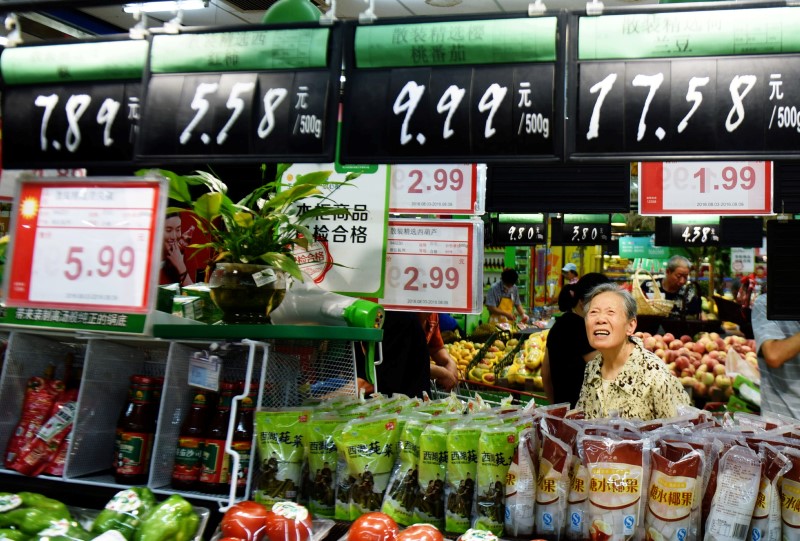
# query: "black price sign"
519,230
210,96
581,230
694,234
436,92
656,103
63,108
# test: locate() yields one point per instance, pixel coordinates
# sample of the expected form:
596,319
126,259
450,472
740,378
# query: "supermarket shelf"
265,332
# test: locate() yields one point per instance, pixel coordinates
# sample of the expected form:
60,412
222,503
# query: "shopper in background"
570,272
568,348
778,348
624,378
676,287
502,299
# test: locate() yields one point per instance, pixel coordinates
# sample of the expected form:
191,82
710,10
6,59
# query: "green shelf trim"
265,332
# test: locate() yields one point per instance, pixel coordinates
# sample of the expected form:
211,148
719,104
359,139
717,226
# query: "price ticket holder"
85,254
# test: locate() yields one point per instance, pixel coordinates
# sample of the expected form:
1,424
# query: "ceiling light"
169,6
618,220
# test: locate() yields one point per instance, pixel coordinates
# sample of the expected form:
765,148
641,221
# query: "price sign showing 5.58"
80,246
706,188
439,189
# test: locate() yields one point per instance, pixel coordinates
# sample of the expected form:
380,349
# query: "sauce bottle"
243,437
189,452
135,433
215,475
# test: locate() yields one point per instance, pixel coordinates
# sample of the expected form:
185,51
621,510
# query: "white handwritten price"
441,189
583,233
525,232
699,234
74,108
722,187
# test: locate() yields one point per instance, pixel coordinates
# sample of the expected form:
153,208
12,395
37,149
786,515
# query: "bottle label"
215,467
132,452
125,501
142,395
188,459
244,448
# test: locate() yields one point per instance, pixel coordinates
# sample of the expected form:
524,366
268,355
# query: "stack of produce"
489,359
527,367
131,514
463,352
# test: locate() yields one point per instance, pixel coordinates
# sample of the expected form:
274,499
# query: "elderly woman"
624,379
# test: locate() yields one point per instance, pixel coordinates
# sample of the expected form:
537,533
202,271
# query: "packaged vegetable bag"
672,495
322,459
618,471
766,521
401,495
790,497
369,450
552,487
281,439
432,471
462,470
521,489
738,479
496,447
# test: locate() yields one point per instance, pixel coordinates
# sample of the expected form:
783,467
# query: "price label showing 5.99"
434,189
716,188
430,266
84,245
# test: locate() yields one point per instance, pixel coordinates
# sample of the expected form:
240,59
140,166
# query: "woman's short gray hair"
627,299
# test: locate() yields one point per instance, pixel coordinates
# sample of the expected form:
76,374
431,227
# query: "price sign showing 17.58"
434,189
84,245
716,188
429,267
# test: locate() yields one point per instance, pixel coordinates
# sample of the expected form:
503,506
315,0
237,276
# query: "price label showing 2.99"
716,188
434,189
84,245
430,266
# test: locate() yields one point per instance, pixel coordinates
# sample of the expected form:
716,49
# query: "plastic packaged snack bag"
790,497
618,472
462,470
766,521
496,447
322,459
281,439
400,497
432,472
552,487
521,489
738,479
672,495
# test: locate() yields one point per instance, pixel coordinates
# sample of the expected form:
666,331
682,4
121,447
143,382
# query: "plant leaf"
208,205
243,219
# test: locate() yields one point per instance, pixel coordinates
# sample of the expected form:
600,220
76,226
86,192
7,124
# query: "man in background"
676,287
570,273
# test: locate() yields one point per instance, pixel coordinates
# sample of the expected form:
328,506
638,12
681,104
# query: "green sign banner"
100,61
499,41
586,218
521,218
257,50
641,247
690,33
75,320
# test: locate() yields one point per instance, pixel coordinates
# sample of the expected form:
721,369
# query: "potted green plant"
252,240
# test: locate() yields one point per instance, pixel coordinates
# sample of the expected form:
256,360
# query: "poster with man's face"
179,262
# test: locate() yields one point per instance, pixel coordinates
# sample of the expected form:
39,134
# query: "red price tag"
430,266
434,189
717,188
84,245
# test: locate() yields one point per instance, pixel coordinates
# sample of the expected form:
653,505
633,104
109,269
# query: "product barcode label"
730,530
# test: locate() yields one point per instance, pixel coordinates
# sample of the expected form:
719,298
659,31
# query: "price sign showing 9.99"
86,245
430,266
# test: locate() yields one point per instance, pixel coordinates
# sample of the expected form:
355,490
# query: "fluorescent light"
168,6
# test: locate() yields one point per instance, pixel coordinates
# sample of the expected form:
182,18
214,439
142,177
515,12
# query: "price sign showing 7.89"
429,266
86,245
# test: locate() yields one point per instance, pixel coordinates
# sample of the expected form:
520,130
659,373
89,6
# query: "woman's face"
172,230
607,325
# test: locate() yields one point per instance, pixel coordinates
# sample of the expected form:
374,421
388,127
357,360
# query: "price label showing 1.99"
86,245
433,189
430,266
716,188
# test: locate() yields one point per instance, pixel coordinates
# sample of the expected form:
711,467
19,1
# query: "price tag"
695,233
434,189
84,245
430,266
519,230
717,188
204,371
582,230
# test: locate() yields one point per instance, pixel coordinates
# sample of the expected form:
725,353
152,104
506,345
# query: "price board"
685,83
431,266
71,105
470,90
437,189
689,231
83,245
716,188
581,230
242,95
519,230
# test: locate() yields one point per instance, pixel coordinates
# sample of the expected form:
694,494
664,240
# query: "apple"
696,356
687,381
660,353
675,344
668,337
699,347
685,338
681,363
650,343
719,370
708,378
700,389
713,335
722,381
711,346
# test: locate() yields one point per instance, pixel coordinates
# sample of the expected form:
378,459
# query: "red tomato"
288,521
373,526
420,532
245,520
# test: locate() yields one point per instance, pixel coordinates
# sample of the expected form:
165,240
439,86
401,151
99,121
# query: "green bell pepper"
30,512
124,512
7,534
173,519
64,530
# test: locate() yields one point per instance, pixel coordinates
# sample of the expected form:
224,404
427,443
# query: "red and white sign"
431,266
84,244
718,188
436,189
